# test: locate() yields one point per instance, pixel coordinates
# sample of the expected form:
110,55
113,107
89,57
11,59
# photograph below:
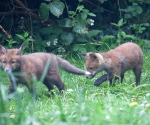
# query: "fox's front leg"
104,78
12,88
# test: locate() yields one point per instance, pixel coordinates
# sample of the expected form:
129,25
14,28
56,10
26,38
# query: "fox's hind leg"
48,84
137,71
53,79
122,77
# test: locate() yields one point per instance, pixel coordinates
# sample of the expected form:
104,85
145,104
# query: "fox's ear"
19,52
93,57
2,50
83,54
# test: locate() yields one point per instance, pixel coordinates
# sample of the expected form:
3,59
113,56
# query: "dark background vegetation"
33,23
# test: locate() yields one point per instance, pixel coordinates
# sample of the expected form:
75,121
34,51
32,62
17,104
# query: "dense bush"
79,25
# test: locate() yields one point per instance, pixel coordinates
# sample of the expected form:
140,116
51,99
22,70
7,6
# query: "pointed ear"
93,57
19,52
2,50
83,54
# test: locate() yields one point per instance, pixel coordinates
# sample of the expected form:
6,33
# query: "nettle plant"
71,33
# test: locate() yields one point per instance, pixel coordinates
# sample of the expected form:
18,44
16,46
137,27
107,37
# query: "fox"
115,62
32,65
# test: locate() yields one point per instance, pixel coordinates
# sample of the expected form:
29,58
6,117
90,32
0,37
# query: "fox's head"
10,58
94,63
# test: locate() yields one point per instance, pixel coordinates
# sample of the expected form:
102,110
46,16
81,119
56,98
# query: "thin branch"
4,31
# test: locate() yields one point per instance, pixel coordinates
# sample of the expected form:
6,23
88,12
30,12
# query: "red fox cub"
115,62
31,65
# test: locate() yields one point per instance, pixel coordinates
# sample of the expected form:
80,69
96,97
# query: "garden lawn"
82,103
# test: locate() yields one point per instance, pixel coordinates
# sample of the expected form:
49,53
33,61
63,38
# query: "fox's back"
35,63
128,55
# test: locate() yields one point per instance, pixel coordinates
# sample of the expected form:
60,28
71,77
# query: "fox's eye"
4,62
90,68
12,62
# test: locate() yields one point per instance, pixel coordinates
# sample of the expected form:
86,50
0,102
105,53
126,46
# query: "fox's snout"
8,69
90,76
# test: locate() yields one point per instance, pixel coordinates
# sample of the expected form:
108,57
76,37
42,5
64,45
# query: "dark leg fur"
100,80
104,78
48,84
11,88
54,80
122,77
137,71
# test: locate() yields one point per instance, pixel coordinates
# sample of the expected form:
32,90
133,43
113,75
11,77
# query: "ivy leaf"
67,37
56,8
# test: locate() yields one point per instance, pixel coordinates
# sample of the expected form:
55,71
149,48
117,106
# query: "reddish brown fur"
116,62
33,65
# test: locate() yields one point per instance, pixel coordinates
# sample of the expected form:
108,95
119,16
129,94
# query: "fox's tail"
70,68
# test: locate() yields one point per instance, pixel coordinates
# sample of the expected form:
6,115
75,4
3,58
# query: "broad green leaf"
130,9
108,38
80,0
81,40
46,30
93,33
49,30
26,34
56,8
82,49
44,11
80,7
66,22
71,12
89,47
80,28
131,36
123,34
38,38
83,15
21,37
146,24
114,24
120,23
139,9
91,14
85,11
67,37
127,16
76,47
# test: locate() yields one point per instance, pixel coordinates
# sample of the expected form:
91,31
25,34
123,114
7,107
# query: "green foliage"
132,11
74,26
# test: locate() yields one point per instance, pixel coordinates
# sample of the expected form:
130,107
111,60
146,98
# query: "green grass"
82,103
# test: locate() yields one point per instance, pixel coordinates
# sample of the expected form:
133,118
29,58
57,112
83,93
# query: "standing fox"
115,62
31,65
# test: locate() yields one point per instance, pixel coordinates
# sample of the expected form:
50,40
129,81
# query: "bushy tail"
70,68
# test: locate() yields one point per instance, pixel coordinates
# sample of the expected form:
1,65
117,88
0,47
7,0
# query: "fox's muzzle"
90,76
8,69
